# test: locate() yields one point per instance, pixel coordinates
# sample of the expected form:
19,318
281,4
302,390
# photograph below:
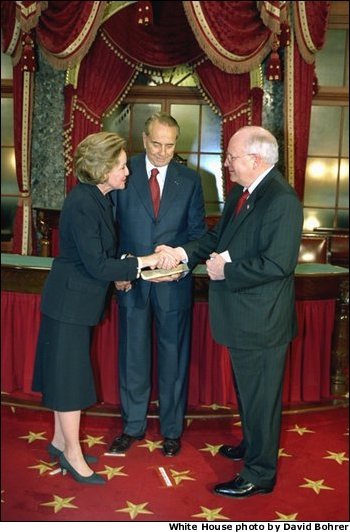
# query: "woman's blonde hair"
96,155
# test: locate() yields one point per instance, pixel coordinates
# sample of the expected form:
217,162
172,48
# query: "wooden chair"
339,250
314,248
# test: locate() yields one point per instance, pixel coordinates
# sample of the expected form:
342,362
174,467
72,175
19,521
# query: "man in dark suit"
176,216
253,252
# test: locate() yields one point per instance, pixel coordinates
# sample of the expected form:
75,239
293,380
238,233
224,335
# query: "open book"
148,275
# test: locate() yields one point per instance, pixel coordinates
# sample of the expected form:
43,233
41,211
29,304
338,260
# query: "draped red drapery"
97,90
231,37
121,49
307,376
235,38
64,30
238,103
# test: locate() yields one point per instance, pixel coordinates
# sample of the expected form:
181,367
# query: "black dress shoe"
239,488
234,453
123,443
171,446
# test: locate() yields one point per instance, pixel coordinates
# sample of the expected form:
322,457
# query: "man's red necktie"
155,190
241,201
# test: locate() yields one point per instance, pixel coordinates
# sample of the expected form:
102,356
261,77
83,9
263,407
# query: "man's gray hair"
262,142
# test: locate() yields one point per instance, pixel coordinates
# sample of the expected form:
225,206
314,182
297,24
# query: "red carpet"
312,483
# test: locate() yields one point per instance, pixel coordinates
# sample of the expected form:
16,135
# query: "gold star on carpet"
316,485
113,472
286,517
338,457
237,424
33,436
59,503
211,515
2,491
179,476
93,440
300,430
214,407
152,445
135,509
155,403
347,432
188,422
43,466
213,449
282,453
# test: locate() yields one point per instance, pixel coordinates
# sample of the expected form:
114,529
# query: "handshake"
164,258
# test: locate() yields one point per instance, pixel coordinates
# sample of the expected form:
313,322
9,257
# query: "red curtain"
298,100
166,42
116,57
235,36
232,34
65,32
307,376
97,90
238,104
310,24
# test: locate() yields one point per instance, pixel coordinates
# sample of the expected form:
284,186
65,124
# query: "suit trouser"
259,381
173,332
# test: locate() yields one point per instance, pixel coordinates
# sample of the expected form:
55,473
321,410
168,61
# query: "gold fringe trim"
257,78
305,44
123,95
232,64
273,16
15,41
28,16
76,50
205,95
72,75
114,7
289,112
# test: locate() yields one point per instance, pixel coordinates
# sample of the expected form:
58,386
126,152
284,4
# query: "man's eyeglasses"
231,158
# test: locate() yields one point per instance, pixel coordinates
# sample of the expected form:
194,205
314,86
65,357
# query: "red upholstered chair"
313,249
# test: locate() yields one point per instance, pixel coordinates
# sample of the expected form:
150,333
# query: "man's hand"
171,257
166,260
215,267
159,259
124,286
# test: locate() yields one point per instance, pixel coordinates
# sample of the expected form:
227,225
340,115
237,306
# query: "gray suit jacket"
253,307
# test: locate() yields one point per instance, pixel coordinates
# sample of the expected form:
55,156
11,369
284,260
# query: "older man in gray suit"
252,254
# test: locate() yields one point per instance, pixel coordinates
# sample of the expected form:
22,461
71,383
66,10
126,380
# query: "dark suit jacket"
253,307
77,286
181,218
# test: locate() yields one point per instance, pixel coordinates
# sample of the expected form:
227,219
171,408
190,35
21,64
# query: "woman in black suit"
75,294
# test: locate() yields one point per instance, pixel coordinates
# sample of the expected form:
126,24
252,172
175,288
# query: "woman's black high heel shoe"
92,479
55,453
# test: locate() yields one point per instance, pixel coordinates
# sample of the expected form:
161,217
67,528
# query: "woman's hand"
161,259
123,286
